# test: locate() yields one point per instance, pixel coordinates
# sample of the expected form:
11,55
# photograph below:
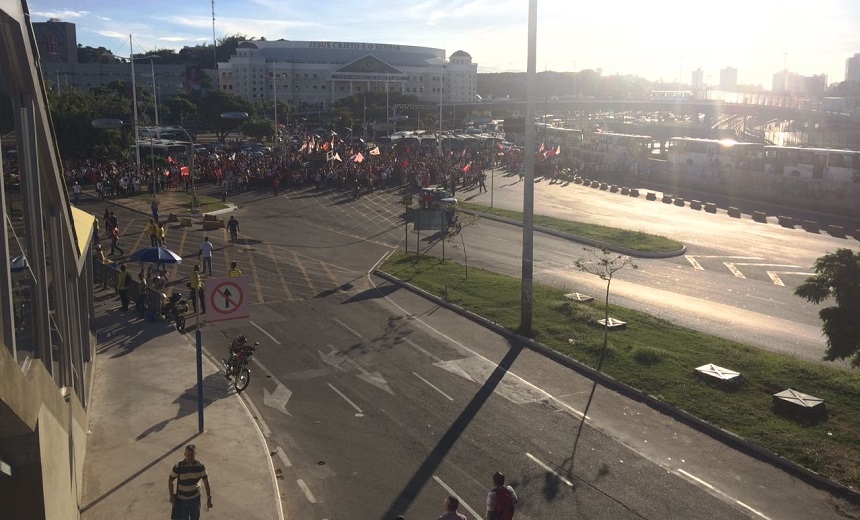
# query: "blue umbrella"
156,255
18,263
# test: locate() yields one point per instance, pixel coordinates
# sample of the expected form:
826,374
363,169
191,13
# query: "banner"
184,171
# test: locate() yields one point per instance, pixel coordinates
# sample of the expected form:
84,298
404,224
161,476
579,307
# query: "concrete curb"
582,240
726,437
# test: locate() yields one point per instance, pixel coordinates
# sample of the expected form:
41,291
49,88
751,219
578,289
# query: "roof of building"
344,52
460,54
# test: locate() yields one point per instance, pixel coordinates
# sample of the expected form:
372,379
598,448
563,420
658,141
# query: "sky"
658,40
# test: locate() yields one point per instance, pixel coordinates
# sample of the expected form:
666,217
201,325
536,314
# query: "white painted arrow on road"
697,266
278,399
336,358
735,271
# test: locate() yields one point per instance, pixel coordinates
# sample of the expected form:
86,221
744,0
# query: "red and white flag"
184,171
375,151
171,160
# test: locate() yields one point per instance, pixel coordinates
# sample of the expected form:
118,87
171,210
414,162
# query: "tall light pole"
529,187
134,103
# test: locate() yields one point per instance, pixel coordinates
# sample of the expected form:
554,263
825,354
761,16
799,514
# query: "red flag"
358,157
325,146
500,145
406,162
170,160
467,167
167,173
184,171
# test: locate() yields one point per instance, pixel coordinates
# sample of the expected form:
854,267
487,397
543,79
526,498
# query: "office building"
57,41
312,75
729,79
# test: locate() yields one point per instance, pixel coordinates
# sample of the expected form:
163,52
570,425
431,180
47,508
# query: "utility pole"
529,186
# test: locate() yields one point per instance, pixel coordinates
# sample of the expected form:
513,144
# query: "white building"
312,75
729,79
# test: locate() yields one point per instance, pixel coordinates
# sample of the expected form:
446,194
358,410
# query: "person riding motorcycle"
235,349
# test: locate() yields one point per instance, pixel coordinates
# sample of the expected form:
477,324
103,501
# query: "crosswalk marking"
774,276
696,265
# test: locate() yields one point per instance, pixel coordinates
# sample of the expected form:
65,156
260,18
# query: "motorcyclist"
235,348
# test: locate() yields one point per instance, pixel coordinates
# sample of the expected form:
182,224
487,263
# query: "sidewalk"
143,411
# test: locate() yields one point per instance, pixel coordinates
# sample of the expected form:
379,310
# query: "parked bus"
691,152
813,163
620,147
162,148
671,95
552,136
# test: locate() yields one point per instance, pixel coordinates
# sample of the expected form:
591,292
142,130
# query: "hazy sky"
660,39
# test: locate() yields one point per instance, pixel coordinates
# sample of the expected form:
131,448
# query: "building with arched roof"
311,75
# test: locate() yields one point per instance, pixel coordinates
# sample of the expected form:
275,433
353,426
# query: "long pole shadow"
425,472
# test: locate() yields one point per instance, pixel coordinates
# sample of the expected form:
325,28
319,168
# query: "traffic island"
797,405
734,213
759,216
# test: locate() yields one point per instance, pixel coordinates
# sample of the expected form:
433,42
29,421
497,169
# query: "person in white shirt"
206,254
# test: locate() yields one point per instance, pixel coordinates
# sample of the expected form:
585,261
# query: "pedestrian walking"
114,242
153,206
195,285
206,254
76,191
122,287
97,239
162,234
482,177
501,500
152,230
187,473
452,503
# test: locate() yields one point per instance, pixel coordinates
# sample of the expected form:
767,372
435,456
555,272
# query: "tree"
213,104
72,113
258,128
837,276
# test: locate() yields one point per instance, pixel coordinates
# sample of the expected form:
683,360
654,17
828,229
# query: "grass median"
659,358
634,240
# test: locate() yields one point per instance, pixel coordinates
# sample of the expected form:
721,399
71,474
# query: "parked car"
436,198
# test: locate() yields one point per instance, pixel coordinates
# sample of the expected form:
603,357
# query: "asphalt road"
376,402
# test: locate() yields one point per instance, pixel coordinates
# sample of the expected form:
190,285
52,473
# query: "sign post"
407,201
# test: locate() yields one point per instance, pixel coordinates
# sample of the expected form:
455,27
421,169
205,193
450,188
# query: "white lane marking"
696,265
266,333
451,492
347,399
283,456
435,358
727,497
347,327
734,269
554,472
307,491
769,300
767,265
565,254
735,257
434,387
774,276
467,349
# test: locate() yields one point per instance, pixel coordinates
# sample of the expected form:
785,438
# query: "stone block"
695,204
209,225
836,231
185,222
172,218
625,191
759,216
667,199
710,207
811,226
634,192
785,221
651,196
613,188
679,202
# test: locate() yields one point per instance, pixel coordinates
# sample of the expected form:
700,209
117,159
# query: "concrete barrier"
695,204
651,196
759,216
604,186
186,222
667,199
172,218
811,226
209,225
710,207
210,218
595,184
785,221
577,180
679,202
734,213
613,188
836,231
625,191
634,193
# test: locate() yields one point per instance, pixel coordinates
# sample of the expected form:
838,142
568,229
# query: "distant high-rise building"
852,68
729,79
57,41
698,80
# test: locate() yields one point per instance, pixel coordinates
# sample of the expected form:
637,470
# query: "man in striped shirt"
188,473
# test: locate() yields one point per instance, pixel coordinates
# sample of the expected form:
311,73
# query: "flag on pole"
375,151
304,145
467,167
542,148
358,157
337,157
406,162
184,171
233,157
171,160
558,150
167,173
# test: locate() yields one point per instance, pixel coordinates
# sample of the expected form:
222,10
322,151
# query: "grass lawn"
658,357
635,240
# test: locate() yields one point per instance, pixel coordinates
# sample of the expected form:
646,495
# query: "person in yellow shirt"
195,283
234,271
152,229
162,234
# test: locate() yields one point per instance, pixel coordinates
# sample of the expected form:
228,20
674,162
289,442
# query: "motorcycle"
174,309
236,366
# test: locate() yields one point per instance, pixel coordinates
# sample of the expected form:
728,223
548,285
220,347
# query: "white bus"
620,146
697,153
813,163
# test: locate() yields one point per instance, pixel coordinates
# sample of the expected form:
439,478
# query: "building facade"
57,41
47,346
312,75
170,80
729,79
852,68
